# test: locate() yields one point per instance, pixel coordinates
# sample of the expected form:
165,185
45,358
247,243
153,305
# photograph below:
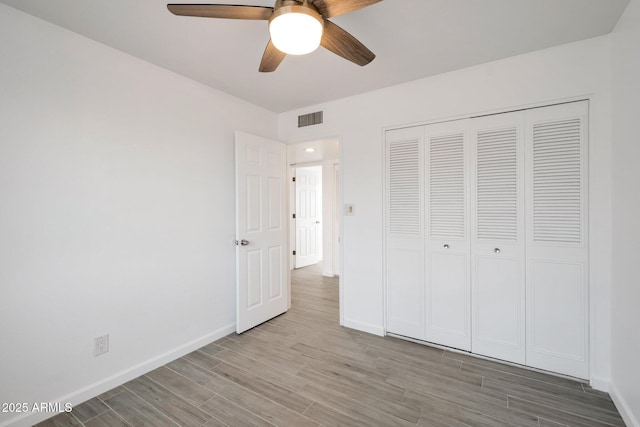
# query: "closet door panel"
448,310
405,292
557,314
448,292
404,229
497,283
499,303
557,285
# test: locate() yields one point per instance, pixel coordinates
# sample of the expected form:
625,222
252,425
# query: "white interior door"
261,233
448,293
557,272
497,248
308,216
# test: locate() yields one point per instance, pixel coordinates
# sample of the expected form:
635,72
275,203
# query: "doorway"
314,202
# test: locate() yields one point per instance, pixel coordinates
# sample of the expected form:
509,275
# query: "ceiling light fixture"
309,150
296,29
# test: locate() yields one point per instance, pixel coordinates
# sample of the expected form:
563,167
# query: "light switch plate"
349,209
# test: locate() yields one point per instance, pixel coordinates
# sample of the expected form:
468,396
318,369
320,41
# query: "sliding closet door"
448,294
405,232
557,298
498,282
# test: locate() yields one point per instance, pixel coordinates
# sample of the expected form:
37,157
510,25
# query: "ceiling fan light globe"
296,30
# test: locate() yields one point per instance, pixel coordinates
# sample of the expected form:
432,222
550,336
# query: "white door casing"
498,243
308,186
448,294
261,231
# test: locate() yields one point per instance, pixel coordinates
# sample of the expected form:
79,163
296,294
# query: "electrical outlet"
101,345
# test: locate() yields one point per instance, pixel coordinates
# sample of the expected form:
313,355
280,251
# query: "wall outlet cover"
101,345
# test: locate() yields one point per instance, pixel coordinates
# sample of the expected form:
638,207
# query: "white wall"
116,214
626,214
568,71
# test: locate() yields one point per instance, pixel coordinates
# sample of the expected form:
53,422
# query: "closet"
485,236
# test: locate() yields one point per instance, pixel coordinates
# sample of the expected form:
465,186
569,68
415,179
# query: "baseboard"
364,327
628,416
97,388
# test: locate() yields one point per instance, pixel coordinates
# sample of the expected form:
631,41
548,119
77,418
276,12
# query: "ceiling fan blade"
331,8
227,11
271,58
344,44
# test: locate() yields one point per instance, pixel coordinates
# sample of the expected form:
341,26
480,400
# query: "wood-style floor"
302,369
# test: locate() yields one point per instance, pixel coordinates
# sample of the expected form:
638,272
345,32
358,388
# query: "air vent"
310,119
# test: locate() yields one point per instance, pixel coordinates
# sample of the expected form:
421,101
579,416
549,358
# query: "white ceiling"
411,38
324,149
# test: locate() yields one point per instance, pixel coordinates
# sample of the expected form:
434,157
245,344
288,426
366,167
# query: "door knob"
317,222
446,246
496,250
242,242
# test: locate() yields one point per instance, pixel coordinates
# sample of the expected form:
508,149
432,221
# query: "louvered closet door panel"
404,227
448,291
557,302
497,233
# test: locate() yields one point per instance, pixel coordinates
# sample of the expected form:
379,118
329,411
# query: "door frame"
338,213
319,214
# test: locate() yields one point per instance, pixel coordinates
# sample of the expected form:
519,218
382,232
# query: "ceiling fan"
297,27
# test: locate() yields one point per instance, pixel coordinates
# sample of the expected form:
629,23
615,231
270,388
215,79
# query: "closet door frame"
596,160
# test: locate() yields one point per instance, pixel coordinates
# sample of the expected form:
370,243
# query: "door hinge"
293,179
294,216
294,252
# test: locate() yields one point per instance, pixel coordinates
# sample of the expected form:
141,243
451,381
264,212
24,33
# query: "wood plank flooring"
302,369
